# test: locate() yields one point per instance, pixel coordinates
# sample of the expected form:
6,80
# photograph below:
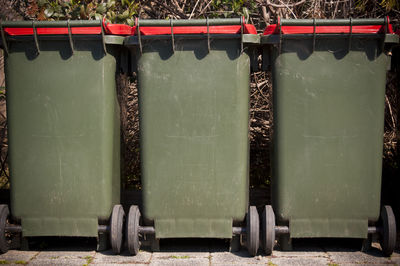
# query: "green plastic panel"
64,136
328,134
194,115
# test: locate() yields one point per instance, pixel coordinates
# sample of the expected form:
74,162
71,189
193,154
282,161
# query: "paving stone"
301,248
18,255
180,261
108,257
180,255
120,264
395,260
180,258
304,254
396,254
58,261
366,264
372,257
242,257
296,254
301,251
53,255
299,261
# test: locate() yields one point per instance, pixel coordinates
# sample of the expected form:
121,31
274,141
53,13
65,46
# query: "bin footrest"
177,228
84,227
348,228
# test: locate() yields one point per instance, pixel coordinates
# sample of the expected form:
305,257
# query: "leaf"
82,12
124,15
41,15
110,4
41,2
57,15
133,11
48,12
246,13
90,6
131,22
65,4
101,9
98,16
133,5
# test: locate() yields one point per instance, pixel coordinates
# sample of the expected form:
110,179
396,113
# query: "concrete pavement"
201,252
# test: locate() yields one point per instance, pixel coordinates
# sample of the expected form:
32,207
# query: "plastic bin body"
396,56
194,115
64,136
328,131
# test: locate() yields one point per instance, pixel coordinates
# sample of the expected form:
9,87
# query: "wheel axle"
13,228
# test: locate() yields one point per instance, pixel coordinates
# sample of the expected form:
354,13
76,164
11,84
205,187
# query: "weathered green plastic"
396,56
194,115
328,133
64,136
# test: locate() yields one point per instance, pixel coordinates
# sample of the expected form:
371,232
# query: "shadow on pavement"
198,245
194,245
62,244
332,245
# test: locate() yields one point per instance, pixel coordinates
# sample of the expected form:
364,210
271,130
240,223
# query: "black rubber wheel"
117,225
268,229
253,231
132,228
388,237
4,213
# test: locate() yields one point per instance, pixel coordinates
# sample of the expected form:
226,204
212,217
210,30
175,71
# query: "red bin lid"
355,29
111,29
220,29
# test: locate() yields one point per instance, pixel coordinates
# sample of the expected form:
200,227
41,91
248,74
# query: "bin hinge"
350,32
241,34
103,39
280,35
172,34
314,33
71,43
3,38
139,34
208,35
35,38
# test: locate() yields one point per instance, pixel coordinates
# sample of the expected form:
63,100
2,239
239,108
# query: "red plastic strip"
231,29
114,29
118,29
367,29
52,31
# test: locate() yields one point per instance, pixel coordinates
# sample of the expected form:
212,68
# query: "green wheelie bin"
329,81
396,56
193,81
64,130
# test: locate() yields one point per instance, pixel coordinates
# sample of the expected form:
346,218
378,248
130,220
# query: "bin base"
201,228
81,227
347,228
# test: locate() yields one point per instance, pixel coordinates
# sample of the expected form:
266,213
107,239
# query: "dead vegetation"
3,129
258,12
